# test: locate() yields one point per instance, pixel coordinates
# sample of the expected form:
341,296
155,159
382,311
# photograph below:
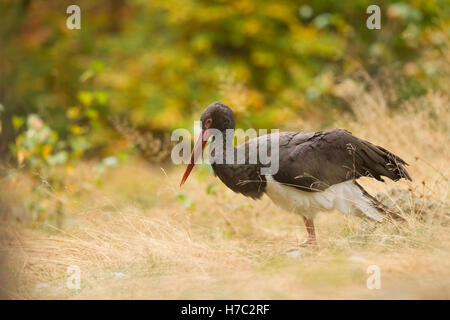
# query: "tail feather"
378,206
396,164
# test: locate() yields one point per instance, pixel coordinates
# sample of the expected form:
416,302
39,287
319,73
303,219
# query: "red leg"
311,239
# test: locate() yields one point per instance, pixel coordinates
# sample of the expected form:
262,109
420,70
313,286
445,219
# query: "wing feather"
313,162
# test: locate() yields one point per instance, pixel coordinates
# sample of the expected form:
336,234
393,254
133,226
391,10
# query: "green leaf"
102,97
180,196
122,156
98,66
18,122
210,188
85,97
99,183
91,114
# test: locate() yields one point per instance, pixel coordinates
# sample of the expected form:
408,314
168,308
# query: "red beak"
196,153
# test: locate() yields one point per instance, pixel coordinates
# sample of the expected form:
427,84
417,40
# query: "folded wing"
316,161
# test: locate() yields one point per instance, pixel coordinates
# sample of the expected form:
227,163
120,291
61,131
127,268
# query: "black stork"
317,170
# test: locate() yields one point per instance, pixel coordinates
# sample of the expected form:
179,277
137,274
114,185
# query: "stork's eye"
208,122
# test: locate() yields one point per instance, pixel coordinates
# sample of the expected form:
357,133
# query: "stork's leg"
311,239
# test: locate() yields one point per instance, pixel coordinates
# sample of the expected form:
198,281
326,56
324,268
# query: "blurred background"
156,65
76,103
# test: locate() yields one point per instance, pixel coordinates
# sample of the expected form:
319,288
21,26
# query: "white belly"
345,197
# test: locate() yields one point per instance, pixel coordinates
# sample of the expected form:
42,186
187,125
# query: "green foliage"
38,145
40,148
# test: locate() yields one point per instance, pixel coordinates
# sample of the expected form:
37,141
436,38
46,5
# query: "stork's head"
216,116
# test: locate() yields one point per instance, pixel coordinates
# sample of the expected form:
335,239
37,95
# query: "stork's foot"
303,248
309,243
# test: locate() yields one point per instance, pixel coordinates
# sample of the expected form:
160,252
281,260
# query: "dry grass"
226,246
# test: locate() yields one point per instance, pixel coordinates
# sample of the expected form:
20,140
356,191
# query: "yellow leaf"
73,112
46,151
76,130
